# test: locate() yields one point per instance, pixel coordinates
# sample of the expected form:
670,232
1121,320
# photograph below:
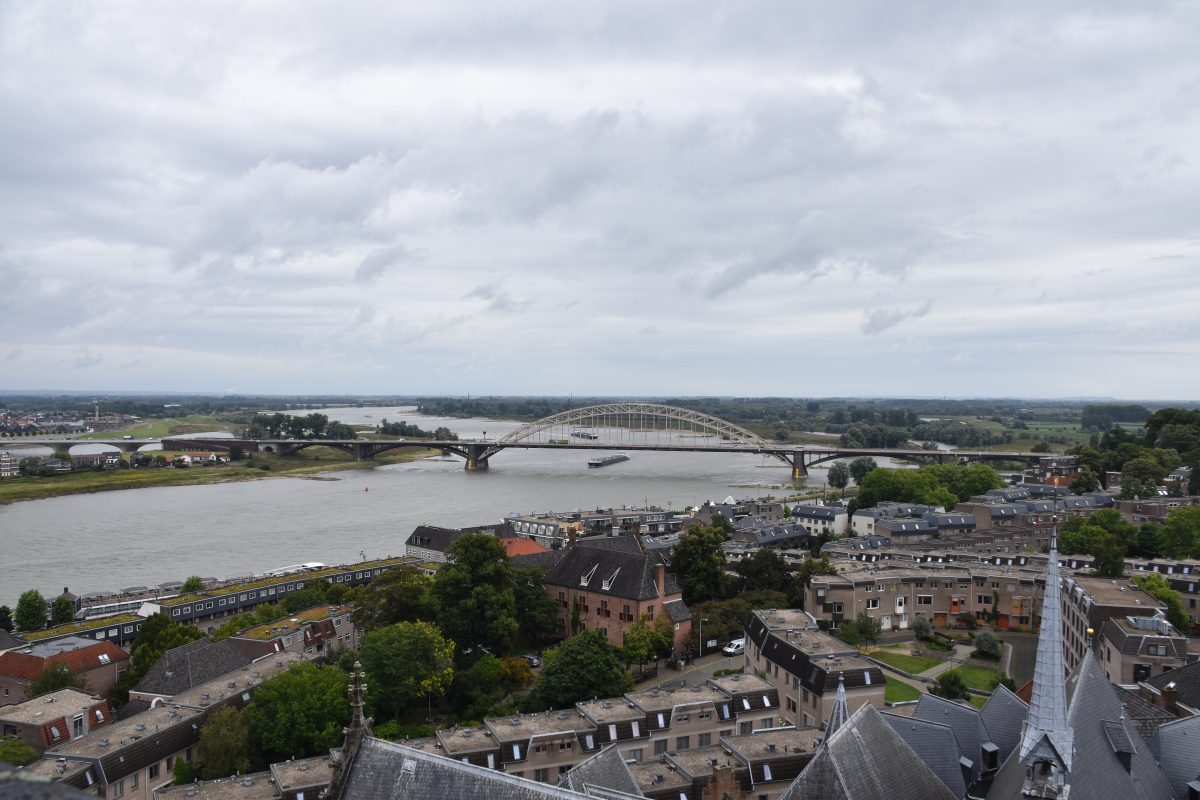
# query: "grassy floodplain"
307,462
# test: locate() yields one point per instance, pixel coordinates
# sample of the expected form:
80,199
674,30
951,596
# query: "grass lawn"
914,665
897,691
171,426
978,701
982,678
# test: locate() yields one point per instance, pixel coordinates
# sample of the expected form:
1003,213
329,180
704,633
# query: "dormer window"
583,581
608,582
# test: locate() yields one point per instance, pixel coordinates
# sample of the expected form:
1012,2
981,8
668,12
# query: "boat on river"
604,461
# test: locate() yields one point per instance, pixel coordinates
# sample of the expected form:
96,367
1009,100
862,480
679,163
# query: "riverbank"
308,462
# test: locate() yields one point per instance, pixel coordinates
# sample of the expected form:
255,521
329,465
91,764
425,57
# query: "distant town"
957,627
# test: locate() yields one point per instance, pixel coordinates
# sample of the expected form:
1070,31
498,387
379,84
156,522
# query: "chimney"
660,578
571,537
1170,696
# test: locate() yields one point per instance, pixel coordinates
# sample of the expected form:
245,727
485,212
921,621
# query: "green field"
982,678
308,462
913,665
170,426
897,691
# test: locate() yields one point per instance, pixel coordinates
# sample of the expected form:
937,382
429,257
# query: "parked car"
532,660
734,648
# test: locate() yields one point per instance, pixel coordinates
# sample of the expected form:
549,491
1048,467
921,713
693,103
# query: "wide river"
111,540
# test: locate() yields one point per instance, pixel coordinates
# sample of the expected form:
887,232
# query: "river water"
111,540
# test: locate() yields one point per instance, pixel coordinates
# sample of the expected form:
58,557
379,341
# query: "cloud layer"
612,199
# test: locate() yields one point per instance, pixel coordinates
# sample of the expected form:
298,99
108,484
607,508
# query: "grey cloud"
881,318
379,261
86,359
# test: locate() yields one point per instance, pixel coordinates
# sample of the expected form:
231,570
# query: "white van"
735,648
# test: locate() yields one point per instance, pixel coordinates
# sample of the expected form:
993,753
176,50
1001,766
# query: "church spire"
1047,740
841,710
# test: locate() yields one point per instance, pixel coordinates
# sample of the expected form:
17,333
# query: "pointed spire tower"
360,728
841,710
1047,739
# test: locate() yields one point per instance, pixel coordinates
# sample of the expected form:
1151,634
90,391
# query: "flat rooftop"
758,745
255,786
654,776
699,762
109,738
473,739
659,699
243,679
784,619
51,769
526,726
62,703
292,623
617,709
741,683
302,772
1116,592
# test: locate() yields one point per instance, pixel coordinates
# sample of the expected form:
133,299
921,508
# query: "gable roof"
1003,715
865,759
964,720
30,667
936,746
432,537
383,770
190,665
610,572
1176,747
606,769
1186,680
1146,716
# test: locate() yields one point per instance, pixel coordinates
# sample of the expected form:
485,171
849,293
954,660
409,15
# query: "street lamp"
702,621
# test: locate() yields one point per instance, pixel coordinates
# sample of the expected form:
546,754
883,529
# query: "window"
704,740
541,775
873,603
767,772
133,780
683,742
118,788
870,588
636,729
1158,649
54,733
745,727
791,705
636,754
660,746
924,599
153,771
836,608
612,733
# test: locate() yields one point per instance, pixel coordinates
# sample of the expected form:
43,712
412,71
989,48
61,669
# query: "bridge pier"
799,470
475,460
364,451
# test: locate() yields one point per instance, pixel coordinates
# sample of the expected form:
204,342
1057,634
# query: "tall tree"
537,613
31,611
869,628
1181,533
699,564
861,467
194,583
6,619
583,667
400,594
300,712
476,598
405,663
225,744
62,610
1156,586
839,475
1108,553
765,570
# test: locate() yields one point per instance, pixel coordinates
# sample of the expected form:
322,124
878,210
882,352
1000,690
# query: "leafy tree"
1180,533
236,452
849,633
31,611
537,613
1149,543
6,619
225,744
765,570
922,627
861,467
62,610
1079,536
158,634
1140,477
951,686
869,628
1156,585
839,475
17,752
476,689
642,640
300,712
1108,554
583,667
400,594
475,592
312,595
699,563
987,645
1085,480
54,677
726,619
965,481
904,485
184,772
405,663
194,583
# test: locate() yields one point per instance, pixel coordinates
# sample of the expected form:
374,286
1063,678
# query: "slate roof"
1176,746
935,744
8,641
1095,719
1146,716
190,665
1186,680
677,611
605,769
432,537
628,575
384,770
624,544
828,513
546,561
865,759
1003,715
964,720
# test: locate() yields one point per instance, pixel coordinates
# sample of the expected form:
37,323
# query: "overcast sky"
616,198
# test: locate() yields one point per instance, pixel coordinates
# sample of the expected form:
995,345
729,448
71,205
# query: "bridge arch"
634,416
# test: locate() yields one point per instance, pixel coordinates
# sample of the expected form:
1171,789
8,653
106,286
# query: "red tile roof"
30,667
522,547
